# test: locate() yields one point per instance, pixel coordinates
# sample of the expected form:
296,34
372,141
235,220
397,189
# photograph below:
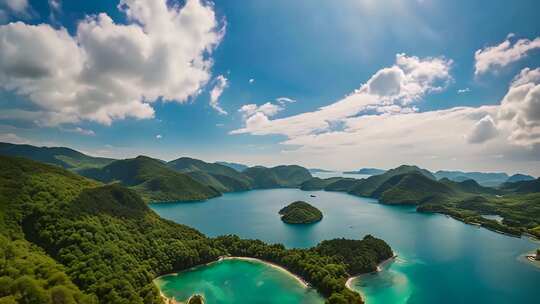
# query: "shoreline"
168,300
348,283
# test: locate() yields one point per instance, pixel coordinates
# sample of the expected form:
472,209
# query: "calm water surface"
441,260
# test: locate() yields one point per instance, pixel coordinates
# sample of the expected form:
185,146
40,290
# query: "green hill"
366,187
317,183
411,188
152,179
277,177
63,157
235,166
527,186
482,178
300,212
220,177
344,185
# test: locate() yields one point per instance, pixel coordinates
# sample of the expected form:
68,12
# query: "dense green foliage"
218,176
360,256
277,177
68,239
325,266
317,183
300,213
235,166
152,179
366,187
63,157
343,185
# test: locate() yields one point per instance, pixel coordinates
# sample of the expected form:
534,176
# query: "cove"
238,281
441,260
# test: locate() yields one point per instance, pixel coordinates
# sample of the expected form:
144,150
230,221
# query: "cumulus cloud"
492,58
80,130
12,138
215,93
483,130
158,136
389,90
463,91
251,80
520,108
110,71
17,6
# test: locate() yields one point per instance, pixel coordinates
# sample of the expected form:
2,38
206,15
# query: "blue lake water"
441,260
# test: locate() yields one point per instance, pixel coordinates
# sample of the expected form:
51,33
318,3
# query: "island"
196,299
300,212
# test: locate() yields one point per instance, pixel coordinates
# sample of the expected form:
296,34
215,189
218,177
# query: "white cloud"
110,71
483,130
159,136
251,80
492,58
463,91
80,130
284,100
12,138
520,108
17,6
387,90
268,109
215,93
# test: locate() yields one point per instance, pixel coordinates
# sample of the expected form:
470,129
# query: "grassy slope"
152,179
317,183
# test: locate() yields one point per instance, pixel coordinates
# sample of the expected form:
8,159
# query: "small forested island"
300,212
196,299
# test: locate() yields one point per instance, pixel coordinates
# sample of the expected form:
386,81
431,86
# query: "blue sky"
313,52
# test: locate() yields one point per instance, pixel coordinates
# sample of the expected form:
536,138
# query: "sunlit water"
441,260
235,281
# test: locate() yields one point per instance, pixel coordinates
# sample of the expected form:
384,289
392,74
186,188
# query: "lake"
441,260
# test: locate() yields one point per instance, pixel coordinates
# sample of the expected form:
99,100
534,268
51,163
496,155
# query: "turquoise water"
441,260
236,281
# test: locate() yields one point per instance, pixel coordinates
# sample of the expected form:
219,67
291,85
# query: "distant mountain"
366,171
235,166
220,177
315,170
484,179
64,157
519,178
526,186
366,187
152,179
277,177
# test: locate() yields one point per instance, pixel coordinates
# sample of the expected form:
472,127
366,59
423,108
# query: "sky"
324,84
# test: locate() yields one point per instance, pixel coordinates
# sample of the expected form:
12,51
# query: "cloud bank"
109,71
493,58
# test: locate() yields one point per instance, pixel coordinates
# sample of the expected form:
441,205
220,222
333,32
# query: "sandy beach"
348,284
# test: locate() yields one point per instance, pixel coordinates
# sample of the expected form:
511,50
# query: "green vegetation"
300,213
277,177
68,239
519,178
366,187
235,166
63,157
152,179
325,266
317,183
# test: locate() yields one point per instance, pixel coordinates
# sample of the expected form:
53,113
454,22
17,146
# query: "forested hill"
152,179
64,157
68,239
